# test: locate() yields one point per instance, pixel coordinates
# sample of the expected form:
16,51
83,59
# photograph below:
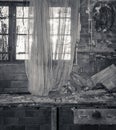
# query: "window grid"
4,31
14,34
65,44
22,33
11,32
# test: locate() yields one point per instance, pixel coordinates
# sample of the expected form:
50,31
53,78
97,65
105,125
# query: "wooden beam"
54,118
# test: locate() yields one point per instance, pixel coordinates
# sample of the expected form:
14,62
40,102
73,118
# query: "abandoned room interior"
57,64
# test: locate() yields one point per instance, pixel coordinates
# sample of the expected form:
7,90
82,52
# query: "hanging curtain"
53,32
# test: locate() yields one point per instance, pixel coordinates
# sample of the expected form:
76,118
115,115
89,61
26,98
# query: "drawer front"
94,116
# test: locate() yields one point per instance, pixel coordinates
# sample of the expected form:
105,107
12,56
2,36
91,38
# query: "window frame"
72,5
12,29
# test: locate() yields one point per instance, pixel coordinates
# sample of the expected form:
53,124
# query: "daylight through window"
14,31
60,32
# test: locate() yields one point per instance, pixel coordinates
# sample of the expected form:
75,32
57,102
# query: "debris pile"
101,83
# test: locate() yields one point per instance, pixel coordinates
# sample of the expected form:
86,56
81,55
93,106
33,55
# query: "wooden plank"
13,76
12,68
107,77
53,118
19,84
89,116
5,83
13,84
15,90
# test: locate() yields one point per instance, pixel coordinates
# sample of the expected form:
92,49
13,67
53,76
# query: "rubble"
106,77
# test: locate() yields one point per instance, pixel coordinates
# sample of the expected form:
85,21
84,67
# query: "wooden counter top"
80,101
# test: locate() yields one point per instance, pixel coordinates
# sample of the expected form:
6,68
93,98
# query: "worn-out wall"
13,78
93,57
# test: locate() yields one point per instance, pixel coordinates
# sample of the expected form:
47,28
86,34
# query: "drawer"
94,116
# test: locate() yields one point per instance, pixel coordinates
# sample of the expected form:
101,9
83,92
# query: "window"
13,30
4,32
21,32
60,29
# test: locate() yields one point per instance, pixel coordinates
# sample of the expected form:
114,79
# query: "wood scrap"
107,77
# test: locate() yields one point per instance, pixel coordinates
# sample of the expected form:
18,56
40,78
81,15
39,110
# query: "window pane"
67,39
3,57
21,56
22,12
67,56
60,12
4,11
67,49
4,26
3,43
61,39
31,26
60,26
61,49
3,47
62,56
21,47
22,26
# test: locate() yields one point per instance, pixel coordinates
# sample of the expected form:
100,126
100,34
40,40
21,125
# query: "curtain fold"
50,60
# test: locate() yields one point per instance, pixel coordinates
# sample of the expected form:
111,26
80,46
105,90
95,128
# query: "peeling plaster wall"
89,59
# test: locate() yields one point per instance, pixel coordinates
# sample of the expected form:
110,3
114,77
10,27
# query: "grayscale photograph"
57,64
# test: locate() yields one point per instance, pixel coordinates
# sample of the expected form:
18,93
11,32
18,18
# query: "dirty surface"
84,97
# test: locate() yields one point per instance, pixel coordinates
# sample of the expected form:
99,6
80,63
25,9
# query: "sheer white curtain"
53,31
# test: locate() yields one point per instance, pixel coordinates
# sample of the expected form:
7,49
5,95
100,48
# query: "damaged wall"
13,78
97,52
